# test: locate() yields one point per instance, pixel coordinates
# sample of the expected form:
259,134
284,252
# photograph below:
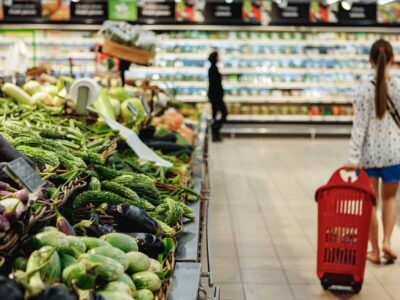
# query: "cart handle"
357,179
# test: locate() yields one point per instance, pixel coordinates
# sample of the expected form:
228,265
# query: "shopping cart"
344,216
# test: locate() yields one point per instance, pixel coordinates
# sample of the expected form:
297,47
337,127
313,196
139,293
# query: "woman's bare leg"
374,255
389,215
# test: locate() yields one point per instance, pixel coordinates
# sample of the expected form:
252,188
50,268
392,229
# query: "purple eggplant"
64,226
4,193
4,186
148,244
4,224
14,208
22,195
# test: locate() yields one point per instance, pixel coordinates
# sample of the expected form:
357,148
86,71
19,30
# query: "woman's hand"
350,167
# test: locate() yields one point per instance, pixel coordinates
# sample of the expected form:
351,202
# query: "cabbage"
119,93
32,87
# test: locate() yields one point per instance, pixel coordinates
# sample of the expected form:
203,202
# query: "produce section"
105,222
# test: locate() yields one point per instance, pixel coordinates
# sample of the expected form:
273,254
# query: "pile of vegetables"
111,266
112,238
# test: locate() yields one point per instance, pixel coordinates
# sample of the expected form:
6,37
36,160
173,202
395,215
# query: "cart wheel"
325,283
357,287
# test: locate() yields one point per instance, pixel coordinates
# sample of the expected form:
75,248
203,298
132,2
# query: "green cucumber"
129,282
147,280
55,239
121,241
75,246
119,286
51,271
144,294
138,262
35,284
113,253
115,295
107,269
67,260
81,275
155,266
92,242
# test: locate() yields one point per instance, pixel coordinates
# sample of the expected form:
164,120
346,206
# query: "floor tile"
270,292
263,276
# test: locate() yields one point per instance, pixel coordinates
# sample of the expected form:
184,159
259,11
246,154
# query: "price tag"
146,106
20,171
133,110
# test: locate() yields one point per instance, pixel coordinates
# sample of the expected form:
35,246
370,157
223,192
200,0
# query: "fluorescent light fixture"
347,4
331,2
384,2
75,1
229,1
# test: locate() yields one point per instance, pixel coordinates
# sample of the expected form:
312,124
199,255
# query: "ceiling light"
384,2
331,2
76,1
347,4
229,1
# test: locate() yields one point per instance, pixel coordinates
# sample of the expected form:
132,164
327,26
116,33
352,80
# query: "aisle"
264,220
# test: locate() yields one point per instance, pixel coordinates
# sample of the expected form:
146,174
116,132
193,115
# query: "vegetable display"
112,235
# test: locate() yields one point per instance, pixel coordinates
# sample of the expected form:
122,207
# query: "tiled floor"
264,220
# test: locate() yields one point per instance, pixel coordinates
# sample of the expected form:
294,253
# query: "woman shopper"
375,143
216,97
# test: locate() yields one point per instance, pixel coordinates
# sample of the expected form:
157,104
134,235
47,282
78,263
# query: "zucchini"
121,241
138,262
99,197
127,193
113,253
92,242
107,268
147,280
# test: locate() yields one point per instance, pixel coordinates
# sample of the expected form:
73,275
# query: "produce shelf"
290,118
189,243
185,282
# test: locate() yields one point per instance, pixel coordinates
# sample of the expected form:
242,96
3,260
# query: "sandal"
389,254
374,260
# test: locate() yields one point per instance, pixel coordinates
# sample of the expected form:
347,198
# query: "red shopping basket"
344,216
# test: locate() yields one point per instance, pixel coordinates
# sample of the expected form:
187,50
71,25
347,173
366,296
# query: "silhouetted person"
216,97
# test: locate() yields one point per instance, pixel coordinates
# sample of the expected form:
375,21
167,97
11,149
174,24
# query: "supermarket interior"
199,149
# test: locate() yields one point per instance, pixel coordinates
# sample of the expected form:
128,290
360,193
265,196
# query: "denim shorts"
388,174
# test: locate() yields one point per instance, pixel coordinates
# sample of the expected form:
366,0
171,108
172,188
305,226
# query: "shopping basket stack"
344,215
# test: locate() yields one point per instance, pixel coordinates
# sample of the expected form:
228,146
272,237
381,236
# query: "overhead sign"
294,12
156,11
22,9
221,12
89,11
359,14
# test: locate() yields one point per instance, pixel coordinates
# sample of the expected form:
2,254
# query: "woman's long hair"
381,55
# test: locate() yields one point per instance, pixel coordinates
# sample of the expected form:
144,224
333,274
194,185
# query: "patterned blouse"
374,143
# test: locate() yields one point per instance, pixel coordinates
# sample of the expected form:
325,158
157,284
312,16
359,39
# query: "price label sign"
20,171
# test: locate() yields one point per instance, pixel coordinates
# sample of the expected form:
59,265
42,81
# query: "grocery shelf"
188,246
185,282
310,130
269,99
289,118
267,84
